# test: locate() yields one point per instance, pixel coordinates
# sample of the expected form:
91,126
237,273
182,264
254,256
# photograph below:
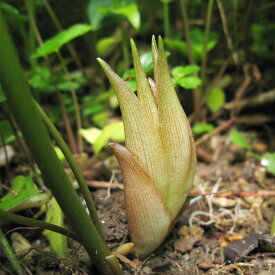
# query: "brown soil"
217,219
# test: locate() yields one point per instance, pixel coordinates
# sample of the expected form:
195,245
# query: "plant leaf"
239,139
98,10
114,131
2,95
189,82
22,189
131,13
200,128
7,132
142,135
58,242
143,88
54,44
91,134
176,137
181,71
148,218
268,160
100,138
215,100
104,44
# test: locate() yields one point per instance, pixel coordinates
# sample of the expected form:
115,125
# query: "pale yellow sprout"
158,161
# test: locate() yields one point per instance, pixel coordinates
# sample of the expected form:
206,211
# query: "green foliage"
215,99
58,242
104,45
197,42
54,44
201,128
239,139
22,189
10,254
99,10
100,138
6,132
147,65
183,76
262,41
43,81
12,12
129,77
268,161
2,96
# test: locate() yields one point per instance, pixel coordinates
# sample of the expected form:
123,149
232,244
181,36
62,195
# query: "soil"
238,204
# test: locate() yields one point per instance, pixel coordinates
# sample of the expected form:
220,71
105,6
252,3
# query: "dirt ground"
229,212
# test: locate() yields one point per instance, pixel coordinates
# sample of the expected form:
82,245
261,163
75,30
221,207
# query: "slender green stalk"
69,131
58,26
272,230
30,40
226,32
196,92
20,142
206,37
71,161
3,142
234,17
186,30
166,20
10,254
125,45
37,223
35,30
28,119
32,22
75,103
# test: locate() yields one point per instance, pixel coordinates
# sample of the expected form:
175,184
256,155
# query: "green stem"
71,161
125,45
272,230
69,131
186,30
32,22
20,142
166,19
28,119
59,28
37,223
206,37
10,254
39,39
75,103
204,55
196,92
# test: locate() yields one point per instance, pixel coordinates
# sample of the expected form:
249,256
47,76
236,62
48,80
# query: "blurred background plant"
221,55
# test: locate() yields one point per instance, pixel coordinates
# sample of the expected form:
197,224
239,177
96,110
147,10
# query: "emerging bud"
158,161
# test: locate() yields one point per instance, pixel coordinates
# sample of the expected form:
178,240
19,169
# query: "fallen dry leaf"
188,237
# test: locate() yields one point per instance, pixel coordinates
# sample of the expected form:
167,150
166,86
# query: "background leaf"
181,71
239,139
7,132
200,128
268,160
22,189
101,10
215,100
104,45
189,82
58,242
54,44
